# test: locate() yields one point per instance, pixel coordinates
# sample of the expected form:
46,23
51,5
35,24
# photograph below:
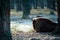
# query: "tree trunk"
12,4
35,4
51,4
18,5
42,4
5,20
57,30
26,8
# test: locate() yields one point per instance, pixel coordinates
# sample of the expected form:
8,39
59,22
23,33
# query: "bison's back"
43,25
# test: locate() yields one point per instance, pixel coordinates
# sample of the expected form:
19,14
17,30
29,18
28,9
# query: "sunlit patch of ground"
22,25
33,11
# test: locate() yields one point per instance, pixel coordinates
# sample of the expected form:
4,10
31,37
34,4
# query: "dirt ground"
33,35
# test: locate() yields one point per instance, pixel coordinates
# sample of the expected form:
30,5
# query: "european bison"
44,25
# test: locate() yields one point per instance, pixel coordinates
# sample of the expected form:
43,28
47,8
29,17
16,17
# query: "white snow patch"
23,25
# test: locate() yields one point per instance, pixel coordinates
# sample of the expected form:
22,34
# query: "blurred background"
23,11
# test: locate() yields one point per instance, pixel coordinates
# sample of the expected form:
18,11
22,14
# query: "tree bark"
57,30
18,5
5,20
12,4
26,8
51,4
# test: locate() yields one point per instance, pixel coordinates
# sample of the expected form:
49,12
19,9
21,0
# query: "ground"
22,29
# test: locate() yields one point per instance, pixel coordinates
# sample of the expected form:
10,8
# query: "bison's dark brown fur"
44,25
